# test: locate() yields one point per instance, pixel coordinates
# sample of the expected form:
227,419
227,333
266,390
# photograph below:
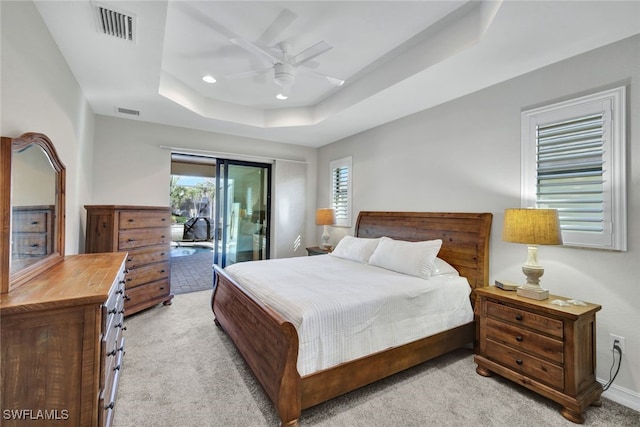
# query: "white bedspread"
344,310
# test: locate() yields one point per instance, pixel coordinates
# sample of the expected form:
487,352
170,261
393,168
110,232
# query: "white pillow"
412,258
355,248
441,266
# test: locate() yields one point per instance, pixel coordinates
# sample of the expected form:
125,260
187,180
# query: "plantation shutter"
341,190
570,172
573,160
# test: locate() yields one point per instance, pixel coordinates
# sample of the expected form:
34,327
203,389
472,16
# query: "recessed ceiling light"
209,78
281,96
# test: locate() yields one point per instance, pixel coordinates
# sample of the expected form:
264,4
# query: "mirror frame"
9,280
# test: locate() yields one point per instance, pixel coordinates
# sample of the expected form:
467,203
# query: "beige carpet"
181,370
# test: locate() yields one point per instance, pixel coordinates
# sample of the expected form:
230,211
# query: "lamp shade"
325,216
532,226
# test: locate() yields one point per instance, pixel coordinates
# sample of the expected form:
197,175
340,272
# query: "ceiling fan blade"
203,18
250,73
255,50
311,52
282,21
333,80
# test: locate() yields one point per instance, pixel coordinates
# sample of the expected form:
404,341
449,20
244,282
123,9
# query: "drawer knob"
34,245
164,219
129,259
130,239
117,368
122,282
519,338
163,271
34,222
120,291
518,316
112,352
163,236
119,325
131,220
519,361
110,405
162,254
112,311
122,311
127,298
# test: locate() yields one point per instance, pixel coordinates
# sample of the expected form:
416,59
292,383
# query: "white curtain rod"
228,156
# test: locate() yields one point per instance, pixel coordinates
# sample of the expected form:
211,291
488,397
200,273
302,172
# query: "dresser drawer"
153,291
147,273
531,366
143,219
27,244
29,222
525,318
141,257
523,339
137,238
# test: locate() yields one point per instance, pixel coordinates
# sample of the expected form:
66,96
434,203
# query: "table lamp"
533,227
326,217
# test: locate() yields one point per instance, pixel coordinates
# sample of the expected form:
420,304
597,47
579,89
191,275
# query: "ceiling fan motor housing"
284,74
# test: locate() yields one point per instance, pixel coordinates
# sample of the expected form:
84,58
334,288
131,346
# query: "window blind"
569,170
341,192
341,175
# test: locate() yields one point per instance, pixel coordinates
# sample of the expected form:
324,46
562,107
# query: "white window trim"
613,101
341,163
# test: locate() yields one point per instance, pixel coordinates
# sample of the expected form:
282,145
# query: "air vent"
128,111
115,23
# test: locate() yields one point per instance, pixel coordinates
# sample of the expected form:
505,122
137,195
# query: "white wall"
131,168
465,156
39,94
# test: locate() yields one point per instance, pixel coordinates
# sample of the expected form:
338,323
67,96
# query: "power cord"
617,348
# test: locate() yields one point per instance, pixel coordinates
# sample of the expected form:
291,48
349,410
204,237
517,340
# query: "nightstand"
545,347
316,250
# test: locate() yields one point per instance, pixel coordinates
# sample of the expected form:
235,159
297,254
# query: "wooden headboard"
465,236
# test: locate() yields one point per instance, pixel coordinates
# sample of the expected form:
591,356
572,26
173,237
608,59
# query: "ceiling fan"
284,65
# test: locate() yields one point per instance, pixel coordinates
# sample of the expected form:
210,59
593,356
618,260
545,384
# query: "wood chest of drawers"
63,344
144,232
31,232
545,347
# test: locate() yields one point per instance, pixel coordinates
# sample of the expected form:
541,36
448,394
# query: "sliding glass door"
242,211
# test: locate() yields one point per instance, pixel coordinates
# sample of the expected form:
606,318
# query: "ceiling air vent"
115,23
128,111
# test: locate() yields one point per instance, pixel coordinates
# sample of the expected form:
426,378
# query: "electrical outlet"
613,338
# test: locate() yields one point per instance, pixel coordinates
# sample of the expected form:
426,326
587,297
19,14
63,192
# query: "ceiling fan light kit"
284,74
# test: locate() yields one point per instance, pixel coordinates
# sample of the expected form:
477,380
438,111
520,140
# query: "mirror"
32,198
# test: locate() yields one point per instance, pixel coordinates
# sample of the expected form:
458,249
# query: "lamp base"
533,292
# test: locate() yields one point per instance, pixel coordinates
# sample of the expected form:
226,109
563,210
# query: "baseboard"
623,396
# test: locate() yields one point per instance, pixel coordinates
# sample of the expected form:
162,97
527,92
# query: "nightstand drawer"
525,318
533,367
523,339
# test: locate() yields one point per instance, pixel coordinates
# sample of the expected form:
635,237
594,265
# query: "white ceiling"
397,57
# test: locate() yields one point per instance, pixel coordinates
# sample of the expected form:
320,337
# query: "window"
341,190
573,160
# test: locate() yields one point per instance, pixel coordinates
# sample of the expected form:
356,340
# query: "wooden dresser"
145,233
31,232
547,348
62,344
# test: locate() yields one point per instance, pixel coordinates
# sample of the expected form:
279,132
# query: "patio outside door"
242,212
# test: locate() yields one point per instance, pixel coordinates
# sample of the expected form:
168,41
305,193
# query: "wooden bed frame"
269,343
